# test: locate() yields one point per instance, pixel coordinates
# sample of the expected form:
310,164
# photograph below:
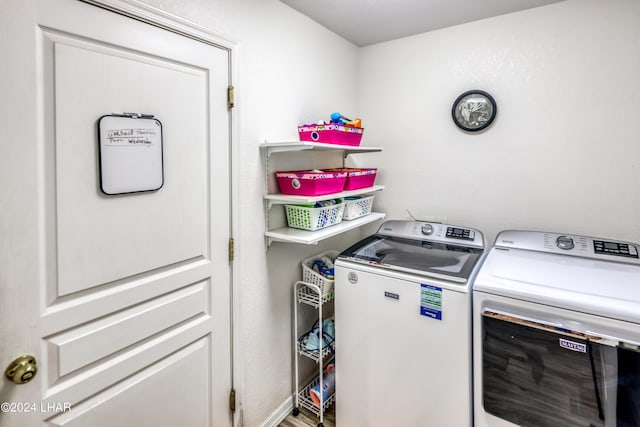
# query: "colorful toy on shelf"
342,120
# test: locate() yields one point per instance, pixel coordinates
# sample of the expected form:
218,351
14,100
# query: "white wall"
290,71
563,154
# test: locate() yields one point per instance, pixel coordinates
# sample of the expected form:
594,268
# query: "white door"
124,301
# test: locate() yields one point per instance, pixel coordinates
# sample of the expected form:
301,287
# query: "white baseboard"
279,414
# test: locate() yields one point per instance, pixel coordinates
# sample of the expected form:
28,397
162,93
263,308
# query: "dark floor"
308,419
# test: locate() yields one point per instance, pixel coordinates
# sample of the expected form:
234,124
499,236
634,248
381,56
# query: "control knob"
427,229
565,242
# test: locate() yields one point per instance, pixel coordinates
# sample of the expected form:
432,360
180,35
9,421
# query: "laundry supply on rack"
324,267
311,340
331,202
331,366
328,385
328,261
328,327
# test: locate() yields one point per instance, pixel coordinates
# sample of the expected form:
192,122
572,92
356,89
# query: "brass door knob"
22,370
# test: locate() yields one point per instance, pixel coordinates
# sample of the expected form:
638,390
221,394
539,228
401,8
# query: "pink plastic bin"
358,177
331,134
308,183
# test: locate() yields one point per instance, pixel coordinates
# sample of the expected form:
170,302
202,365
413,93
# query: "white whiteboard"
130,154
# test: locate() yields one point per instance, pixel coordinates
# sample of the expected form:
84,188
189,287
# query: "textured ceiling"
365,22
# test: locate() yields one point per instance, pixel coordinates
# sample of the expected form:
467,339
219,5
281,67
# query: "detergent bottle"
328,385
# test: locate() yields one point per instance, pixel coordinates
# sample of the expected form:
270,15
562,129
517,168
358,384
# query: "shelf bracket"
267,154
267,206
345,155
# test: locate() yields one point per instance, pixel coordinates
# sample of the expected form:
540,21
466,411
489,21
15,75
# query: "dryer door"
539,375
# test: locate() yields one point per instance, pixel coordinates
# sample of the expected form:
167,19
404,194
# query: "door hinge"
230,98
232,400
231,249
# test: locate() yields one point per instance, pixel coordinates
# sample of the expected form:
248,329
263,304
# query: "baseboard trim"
279,414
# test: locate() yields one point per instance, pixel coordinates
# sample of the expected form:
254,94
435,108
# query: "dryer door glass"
540,376
628,405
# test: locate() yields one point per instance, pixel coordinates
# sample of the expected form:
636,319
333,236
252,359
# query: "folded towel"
311,340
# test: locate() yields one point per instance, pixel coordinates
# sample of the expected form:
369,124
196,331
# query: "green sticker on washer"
431,301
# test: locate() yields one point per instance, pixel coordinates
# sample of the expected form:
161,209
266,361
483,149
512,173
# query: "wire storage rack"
315,291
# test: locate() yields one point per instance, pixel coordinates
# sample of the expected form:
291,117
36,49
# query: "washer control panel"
615,248
426,229
433,232
565,244
460,233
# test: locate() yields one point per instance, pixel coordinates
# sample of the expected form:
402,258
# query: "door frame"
153,16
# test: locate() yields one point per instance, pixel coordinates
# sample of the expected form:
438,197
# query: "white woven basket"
314,218
356,208
310,276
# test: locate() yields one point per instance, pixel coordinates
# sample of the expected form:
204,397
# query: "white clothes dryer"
557,332
403,326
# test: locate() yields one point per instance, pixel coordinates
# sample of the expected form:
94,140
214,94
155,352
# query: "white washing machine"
403,326
557,332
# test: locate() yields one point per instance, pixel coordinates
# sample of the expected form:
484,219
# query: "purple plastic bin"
309,183
358,177
331,134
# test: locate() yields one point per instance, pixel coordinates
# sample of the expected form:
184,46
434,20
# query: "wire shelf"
308,295
315,354
305,401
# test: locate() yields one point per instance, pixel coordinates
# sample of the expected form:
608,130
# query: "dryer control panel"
568,244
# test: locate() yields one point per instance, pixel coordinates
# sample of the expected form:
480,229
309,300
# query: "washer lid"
435,259
605,288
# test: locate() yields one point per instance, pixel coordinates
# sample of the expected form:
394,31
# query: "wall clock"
474,110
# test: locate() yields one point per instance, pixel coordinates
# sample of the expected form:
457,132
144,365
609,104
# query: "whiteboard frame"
121,173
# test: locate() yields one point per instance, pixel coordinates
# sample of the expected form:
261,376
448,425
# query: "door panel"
140,231
159,397
132,325
119,294
95,340
95,379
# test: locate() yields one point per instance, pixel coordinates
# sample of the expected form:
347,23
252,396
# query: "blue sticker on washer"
431,301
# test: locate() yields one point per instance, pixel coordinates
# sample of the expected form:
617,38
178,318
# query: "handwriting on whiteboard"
130,137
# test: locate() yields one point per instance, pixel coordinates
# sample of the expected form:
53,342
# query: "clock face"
474,110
